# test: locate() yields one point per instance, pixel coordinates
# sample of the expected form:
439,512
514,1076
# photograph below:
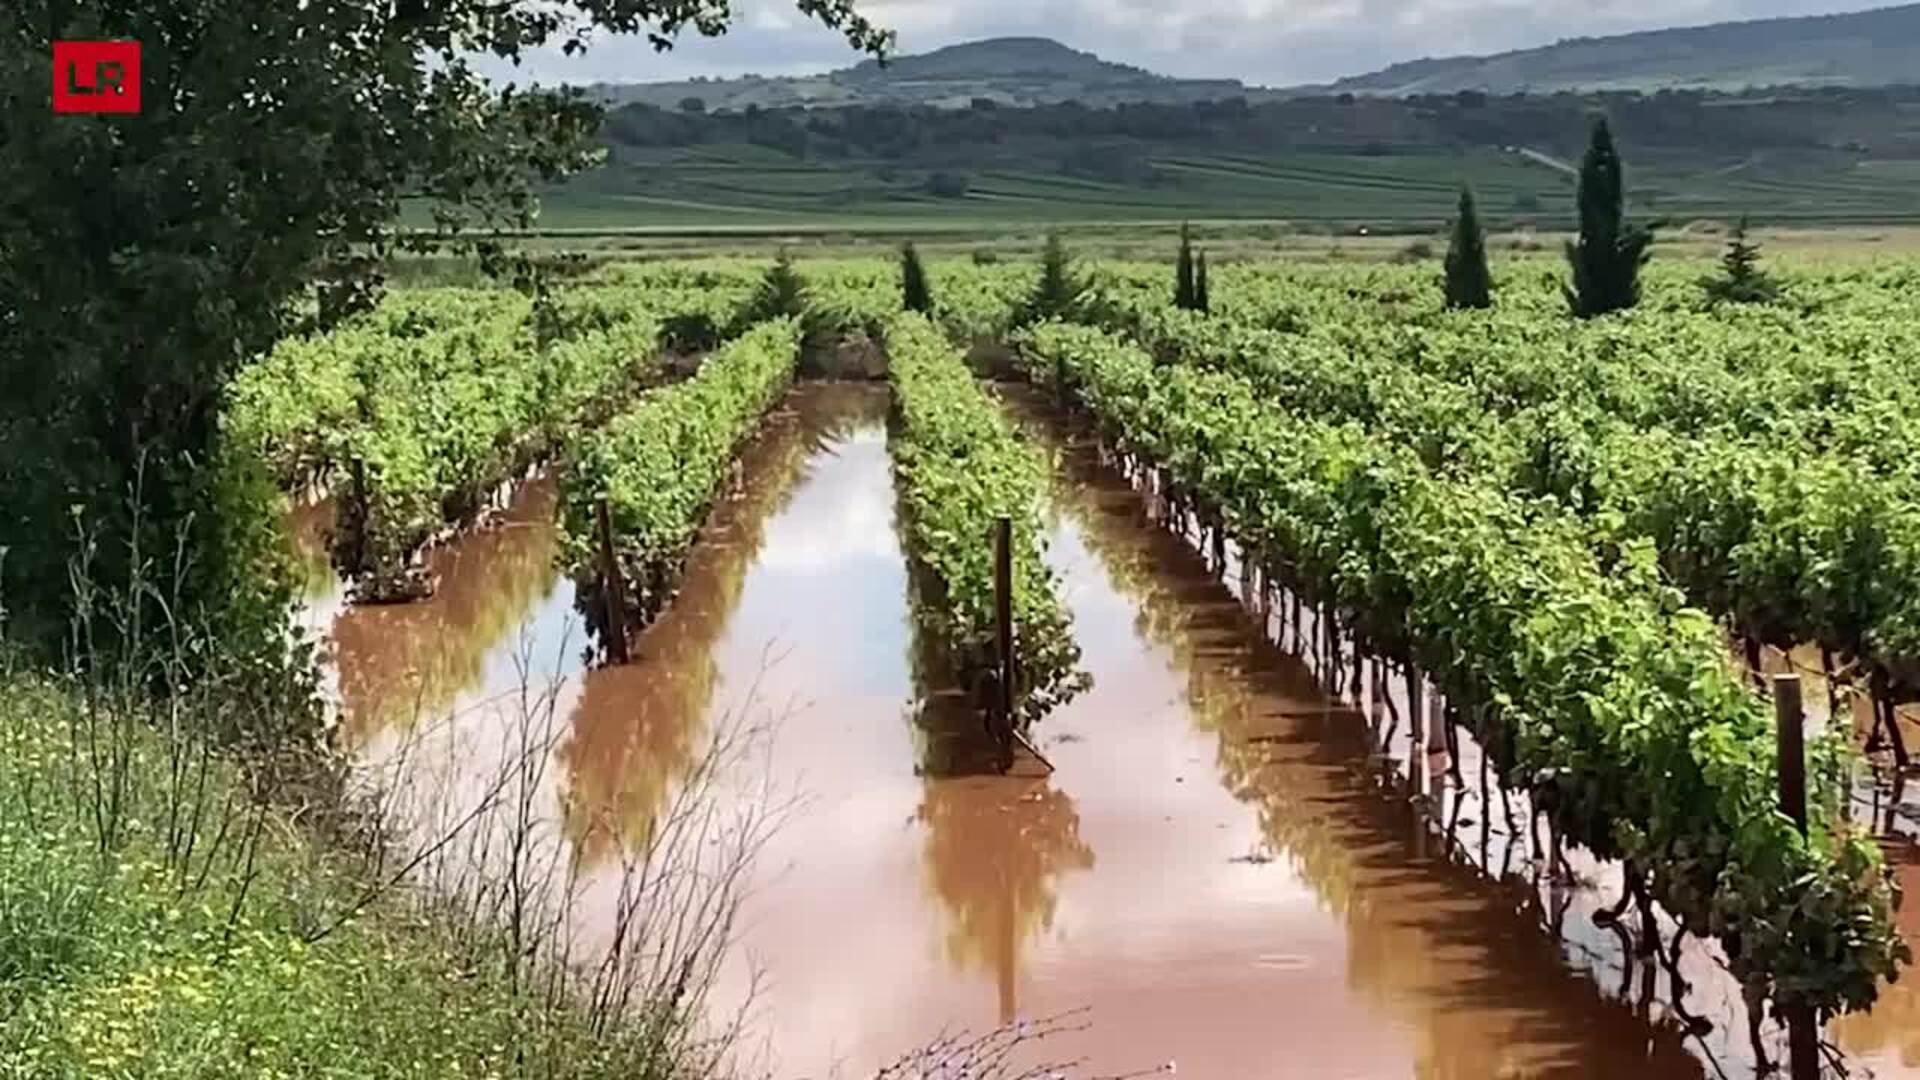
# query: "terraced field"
752,186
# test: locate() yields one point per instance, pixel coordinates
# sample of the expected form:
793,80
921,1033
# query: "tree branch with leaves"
144,258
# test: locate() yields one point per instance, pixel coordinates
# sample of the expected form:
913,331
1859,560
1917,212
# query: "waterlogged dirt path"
1214,873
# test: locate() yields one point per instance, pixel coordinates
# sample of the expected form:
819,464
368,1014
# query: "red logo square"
96,76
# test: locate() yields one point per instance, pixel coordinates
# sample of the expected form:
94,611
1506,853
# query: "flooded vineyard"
1228,871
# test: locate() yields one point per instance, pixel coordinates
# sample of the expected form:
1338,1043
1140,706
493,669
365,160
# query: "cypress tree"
1200,300
1054,294
781,292
1607,256
1183,294
1469,283
1742,282
913,282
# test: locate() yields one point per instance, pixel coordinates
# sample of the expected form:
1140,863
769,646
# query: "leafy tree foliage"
915,296
1118,144
1607,255
1742,281
1469,282
145,257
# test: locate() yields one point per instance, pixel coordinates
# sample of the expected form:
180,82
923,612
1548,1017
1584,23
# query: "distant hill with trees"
1006,71
1810,155
1880,47
1857,49
1029,129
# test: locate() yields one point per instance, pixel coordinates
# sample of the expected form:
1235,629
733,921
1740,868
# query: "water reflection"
1415,965
397,663
1257,907
309,522
1887,1040
637,729
996,849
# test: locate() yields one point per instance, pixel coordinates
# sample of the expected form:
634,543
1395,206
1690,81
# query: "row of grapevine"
293,409
959,466
1586,676
693,317
977,302
1792,538
852,296
414,413
1365,295
1841,386
660,464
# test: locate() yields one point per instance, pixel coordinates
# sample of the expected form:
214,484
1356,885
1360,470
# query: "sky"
1260,42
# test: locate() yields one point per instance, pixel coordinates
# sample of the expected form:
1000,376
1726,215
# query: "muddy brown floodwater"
1216,873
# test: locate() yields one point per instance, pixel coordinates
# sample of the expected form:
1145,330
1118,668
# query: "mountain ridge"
1011,71
1873,47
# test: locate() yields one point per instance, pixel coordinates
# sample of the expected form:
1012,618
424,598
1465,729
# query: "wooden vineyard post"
1416,702
1003,630
1803,1035
1790,743
1329,651
1437,721
1323,633
1416,729
613,589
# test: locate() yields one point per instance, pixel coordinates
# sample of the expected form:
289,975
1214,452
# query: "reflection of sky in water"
890,908
827,594
1114,884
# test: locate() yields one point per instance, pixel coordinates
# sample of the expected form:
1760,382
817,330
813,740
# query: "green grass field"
755,190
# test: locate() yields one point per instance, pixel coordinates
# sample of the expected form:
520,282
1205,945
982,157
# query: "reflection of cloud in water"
722,646
847,520
820,601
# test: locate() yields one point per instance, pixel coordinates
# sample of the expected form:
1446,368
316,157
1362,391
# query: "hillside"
1007,71
1027,130
1817,155
1858,49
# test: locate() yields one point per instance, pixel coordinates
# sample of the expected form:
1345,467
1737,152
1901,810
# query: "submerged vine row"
414,413
1790,538
1590,680
660,464
959,466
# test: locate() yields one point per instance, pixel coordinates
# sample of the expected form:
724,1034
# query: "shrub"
1741,281
1469,283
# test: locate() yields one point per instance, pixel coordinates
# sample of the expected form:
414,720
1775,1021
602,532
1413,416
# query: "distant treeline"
1863,122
